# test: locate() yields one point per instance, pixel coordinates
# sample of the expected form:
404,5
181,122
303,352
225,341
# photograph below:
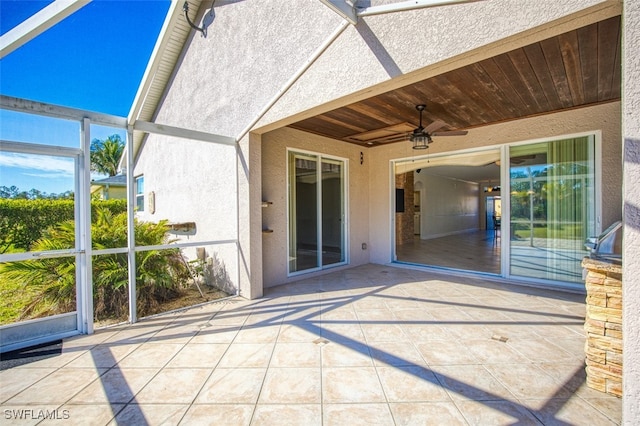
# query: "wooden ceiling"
572,70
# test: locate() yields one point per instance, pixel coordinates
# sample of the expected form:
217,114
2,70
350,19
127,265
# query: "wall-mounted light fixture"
185,9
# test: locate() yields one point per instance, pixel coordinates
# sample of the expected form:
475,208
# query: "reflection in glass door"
552,208
316,212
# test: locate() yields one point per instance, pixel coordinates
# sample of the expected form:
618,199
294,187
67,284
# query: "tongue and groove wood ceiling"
575,69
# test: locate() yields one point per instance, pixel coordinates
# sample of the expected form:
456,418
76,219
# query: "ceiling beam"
342,8
38,23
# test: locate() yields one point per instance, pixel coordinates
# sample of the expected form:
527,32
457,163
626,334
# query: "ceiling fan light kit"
419,137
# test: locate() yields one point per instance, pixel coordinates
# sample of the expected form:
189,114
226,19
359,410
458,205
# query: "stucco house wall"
193,182
274,189
631,250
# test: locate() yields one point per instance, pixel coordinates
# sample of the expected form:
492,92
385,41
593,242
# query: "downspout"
324,46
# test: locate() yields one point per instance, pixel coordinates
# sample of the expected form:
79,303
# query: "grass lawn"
13,297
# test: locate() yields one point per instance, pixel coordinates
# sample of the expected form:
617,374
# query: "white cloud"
38,165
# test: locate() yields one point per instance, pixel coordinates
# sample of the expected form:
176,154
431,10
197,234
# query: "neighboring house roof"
118,180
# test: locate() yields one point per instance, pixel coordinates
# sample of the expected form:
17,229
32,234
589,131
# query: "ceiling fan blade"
438,124
450,133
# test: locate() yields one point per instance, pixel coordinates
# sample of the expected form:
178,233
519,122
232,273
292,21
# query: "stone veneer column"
603,326
404,220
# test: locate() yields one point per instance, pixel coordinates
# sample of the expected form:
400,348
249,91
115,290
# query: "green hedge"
22,222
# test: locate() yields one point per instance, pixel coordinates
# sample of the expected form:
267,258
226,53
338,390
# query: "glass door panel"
552,208
303,212
332,212
317,231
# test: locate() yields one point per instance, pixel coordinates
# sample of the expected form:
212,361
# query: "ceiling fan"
421,136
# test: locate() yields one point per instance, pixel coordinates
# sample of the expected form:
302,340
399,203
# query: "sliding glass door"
553,208
316,211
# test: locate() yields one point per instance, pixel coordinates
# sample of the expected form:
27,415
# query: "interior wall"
275,186
448,206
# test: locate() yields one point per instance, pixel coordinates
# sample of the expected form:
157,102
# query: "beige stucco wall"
274,189
193,182
631,251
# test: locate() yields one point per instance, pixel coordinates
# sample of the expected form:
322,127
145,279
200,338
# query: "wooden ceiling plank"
553,56
401,104
511,97
588,45
514,79
468,84
327,126
499,101
608,45
539,65
372,111
354,118
616,85
572,67
443,92
521,62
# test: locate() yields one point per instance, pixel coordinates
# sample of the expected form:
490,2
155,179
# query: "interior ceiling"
575,69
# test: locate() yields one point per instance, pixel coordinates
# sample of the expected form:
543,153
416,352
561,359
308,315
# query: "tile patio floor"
368,345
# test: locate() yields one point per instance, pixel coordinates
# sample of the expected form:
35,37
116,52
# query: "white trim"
38,149
505,224
131,241
38,23
163,129
173,14
342,8
49,110
392,209
84,273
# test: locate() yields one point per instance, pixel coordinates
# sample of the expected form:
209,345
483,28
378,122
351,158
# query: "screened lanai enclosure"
81,249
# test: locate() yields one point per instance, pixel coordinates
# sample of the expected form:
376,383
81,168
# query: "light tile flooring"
371,345
471,251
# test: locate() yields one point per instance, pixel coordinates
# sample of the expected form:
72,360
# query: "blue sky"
93,60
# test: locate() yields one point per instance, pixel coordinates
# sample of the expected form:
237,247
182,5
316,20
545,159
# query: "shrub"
23,222
160,274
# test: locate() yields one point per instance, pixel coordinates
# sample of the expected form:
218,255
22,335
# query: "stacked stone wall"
603,326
